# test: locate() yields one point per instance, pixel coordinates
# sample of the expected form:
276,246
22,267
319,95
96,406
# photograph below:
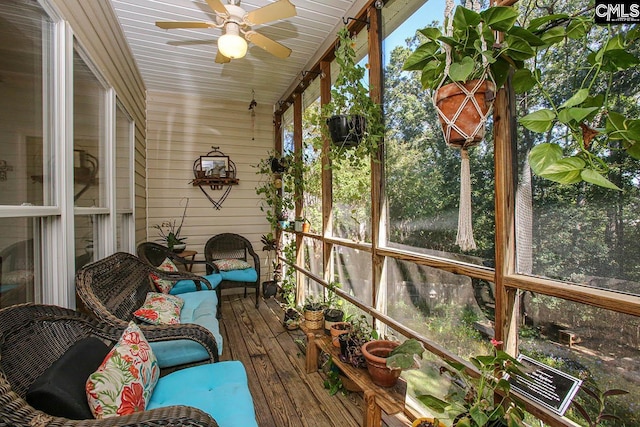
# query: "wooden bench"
390,400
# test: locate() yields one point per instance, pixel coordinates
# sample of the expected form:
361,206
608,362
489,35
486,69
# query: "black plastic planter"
345,130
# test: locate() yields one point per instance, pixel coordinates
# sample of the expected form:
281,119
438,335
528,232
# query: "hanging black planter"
346,130
277,165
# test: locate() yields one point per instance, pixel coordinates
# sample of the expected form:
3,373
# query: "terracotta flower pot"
448,100
338,329
376,353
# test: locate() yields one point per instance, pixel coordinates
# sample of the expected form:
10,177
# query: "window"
125,239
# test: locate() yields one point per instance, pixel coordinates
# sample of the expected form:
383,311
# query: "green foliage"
406,354
584,125
289,283
473,48
169,231
477,401
350,96
590,389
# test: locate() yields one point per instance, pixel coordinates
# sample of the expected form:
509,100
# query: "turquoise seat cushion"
245,275
199,308
185,286
219,389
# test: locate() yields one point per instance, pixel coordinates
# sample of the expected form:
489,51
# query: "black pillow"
60,390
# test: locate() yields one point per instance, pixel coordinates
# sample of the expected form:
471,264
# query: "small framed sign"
545,385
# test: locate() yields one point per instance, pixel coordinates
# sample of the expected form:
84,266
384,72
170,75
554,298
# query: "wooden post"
372,412
377,161
297,152
312,353
327,175
506,314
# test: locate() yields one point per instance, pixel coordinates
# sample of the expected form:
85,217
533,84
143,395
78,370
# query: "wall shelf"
214,171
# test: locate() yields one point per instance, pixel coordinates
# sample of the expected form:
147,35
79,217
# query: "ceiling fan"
235,21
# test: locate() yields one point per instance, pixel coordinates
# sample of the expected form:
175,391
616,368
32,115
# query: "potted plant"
386,359
332,313
336,329
270,245
483,400
276,191
354,121
351,343
585,122
292,318
313,312
477,67
169,232
427,422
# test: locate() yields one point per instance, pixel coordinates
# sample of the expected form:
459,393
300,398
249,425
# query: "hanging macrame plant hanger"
463,110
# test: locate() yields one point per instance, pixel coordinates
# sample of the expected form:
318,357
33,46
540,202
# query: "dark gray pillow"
60,390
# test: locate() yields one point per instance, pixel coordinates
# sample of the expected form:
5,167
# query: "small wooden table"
186,255
377,399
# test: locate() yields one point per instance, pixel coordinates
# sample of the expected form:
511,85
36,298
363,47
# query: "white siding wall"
97,29
180,129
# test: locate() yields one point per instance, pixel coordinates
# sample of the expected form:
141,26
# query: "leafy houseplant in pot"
354,121
337,329
351,343
465,67
332,313
386,359
313,312
169,232
483,400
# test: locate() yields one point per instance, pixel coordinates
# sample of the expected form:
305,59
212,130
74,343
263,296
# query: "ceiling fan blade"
221,59
218,7
271,46
272,12
167,25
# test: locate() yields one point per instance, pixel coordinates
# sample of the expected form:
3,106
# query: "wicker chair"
228,246
154,254
16,273
112,288
33,337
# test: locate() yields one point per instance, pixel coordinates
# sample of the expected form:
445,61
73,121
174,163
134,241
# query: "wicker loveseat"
33,337
112,288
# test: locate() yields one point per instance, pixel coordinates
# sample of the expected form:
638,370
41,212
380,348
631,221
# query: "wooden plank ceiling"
182,60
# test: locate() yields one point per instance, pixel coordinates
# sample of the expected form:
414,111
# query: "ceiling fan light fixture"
231,44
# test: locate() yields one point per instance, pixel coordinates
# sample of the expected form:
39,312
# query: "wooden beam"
327,176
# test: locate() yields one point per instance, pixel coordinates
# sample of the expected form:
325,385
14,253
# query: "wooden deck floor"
283,393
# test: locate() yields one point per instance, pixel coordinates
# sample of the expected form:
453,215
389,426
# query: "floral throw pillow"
164,285
231,264
125,380
160,309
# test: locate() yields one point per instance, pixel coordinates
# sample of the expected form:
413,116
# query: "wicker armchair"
154,254
16,273
228,246
33,337
116,286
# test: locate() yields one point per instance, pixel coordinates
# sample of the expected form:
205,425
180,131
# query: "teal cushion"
184,286
246,275
199,308
219,389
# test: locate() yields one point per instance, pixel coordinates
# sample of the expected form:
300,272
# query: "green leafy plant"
477,401
470,57
406,355
289,278
581,129
587,126
350,96
361,332
276,190
169,231
590,389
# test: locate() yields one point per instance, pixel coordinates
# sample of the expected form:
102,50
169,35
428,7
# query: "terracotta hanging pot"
448,100
376,353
